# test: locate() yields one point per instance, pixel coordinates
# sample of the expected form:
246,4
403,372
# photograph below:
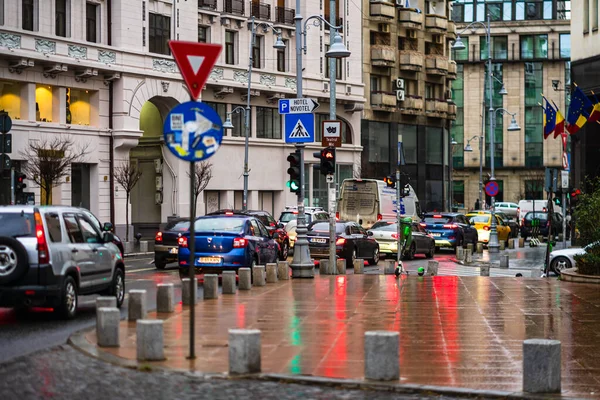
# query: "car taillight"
239,242
337,215
42,245
228,213
340,242
486,228
450,226
422,224
395,235
182,241
379,217
158,237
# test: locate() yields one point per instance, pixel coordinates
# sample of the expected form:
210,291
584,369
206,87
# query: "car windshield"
380,224
483,219
437,220
178,226
324,227
17,224
288,216
386,228
538,215
220,224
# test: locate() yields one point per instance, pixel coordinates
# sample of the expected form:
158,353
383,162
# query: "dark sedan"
166,247
450,229
352,242
544,225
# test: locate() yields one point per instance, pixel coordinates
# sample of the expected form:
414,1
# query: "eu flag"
578,111
549,119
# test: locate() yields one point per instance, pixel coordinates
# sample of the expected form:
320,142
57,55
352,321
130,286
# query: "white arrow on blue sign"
297,106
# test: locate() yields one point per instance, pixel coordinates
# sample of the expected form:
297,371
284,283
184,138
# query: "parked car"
512,223
227,243
482,220
106,227
544,224
276,229
166,247
510,209
450,229
565,258
289,219
352,242
387,237
50,255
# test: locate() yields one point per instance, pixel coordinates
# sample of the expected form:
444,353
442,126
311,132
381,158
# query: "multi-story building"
407,73
585,69
530,48
101,72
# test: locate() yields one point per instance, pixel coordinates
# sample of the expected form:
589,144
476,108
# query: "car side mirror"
107,237
107,227
369,233
279,225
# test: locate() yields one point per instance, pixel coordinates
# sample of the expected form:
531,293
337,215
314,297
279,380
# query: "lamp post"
302,266
279,45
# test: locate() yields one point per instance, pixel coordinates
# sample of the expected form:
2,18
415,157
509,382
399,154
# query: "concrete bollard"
165,298
106,301
143,246
272,273
186,295
137,308
541,366
521,242
341,266
470,248
283,270
479,248
502,244
432,267
244,351
107,326
149,338
535,273
245,276
484,270
359,266
324,266
504,261
468,257
211,286
381,355
511,243
460,253
258,274
389,267
229,282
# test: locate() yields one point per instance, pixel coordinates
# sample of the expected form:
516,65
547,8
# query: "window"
462,55
433,137
268,123
457,128
281,58
533,10
495,10
586,16
338,65
72,228
159,33
53,225
1,12
379,142
257,52
239,123
91,22
78,107
565,45
230,45
534,148
462,11
203,34
594,15
221,109
499,48
497,102
90,235
563,9
534,46
10,97
29,14
43,103
61,18
458,194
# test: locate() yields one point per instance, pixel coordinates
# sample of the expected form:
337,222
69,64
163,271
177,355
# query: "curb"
571,275
128,255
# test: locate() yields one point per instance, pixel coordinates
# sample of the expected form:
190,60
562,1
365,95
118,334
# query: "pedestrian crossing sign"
299,128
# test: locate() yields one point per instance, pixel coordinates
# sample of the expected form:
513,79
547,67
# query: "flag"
595,114
549,119
559,128
578,111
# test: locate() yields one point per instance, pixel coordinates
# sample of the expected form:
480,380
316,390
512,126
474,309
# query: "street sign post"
297,106
331,134
299,128
492,188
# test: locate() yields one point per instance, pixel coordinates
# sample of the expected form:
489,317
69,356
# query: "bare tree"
203,175
127,176
533,185
49,160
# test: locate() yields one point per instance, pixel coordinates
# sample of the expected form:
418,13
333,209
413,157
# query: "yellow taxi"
482,220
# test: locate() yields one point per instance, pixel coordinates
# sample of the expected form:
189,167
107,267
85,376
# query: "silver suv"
51,254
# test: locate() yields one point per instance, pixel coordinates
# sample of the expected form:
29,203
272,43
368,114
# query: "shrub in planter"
589,263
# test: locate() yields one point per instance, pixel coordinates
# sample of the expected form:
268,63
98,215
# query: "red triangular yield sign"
195,61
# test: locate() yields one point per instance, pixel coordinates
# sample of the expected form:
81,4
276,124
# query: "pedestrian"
477,204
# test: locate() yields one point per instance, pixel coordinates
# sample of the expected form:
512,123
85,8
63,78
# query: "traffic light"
574,196
557,201
390,181
20,184
327,158
294,171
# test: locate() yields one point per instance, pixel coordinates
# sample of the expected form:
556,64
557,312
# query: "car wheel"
117,287
68,299
375,259
160,263
285,251
350,260
412,250
431,251
559,264
14,261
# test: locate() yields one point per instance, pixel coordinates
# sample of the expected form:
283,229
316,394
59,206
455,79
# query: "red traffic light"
328,154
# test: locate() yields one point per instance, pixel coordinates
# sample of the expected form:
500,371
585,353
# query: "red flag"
560,124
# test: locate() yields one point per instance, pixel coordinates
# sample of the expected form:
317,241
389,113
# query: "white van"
526,206
370,200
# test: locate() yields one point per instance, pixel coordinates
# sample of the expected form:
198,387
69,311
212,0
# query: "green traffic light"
294,185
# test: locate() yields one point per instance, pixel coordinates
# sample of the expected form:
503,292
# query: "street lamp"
302,266
279,45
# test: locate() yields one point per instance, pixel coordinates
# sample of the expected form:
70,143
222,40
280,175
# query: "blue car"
450,230
226,243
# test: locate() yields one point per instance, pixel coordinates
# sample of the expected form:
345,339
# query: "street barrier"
389,267
186,296
479,248
432,267
324,267
502,245
137,307
245,277
468,256
258,274
283,270
244,351
541,366
211,286
470,248
460,253
229,282
381,355
521,242
504,263
511,243
107,326
150,340
484,270
106,301
272,273
359,266
341,266
165,298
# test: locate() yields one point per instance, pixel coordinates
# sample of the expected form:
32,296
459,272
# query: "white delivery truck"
367,201
526,206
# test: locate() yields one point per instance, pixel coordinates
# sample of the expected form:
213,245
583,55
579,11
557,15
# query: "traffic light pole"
564,211
332,116
399,266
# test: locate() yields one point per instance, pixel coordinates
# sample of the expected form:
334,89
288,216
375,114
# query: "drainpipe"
111,140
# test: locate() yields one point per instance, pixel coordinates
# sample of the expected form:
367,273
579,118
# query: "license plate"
209,260
318,240
174,250
436,234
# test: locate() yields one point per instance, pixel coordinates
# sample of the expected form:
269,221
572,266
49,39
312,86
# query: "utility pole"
399,189
332,116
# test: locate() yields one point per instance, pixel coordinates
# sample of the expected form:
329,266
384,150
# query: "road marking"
141,269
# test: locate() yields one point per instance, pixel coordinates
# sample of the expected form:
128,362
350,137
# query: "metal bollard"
186,296
211,286
504,261
150,340
324,266
137,307
283,270
271,273
468,257
341,266
389,267
229,282
107,326
106,301
381,355
432,267
258,274
165,298
244,351
484,270
541,366
511,243
245,276
359,266
479,248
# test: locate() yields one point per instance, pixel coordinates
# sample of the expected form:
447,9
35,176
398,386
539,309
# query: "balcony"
451,111
452,69
436,65
412,105
235,7
382,8
436,108
285,15
436,23
383,56
411,60
451,33
410,19
260,11
383,101
207,4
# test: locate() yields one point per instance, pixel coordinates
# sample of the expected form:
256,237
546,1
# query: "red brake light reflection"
158,237
340,242
239,242
437,216
182,242
228,213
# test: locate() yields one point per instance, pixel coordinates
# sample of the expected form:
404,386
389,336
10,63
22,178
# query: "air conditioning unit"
400,95
325,86
439,39
348,90
225,21
385,28
401,3
400,84
411,33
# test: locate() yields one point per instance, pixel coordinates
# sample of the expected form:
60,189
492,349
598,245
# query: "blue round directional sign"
193,131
